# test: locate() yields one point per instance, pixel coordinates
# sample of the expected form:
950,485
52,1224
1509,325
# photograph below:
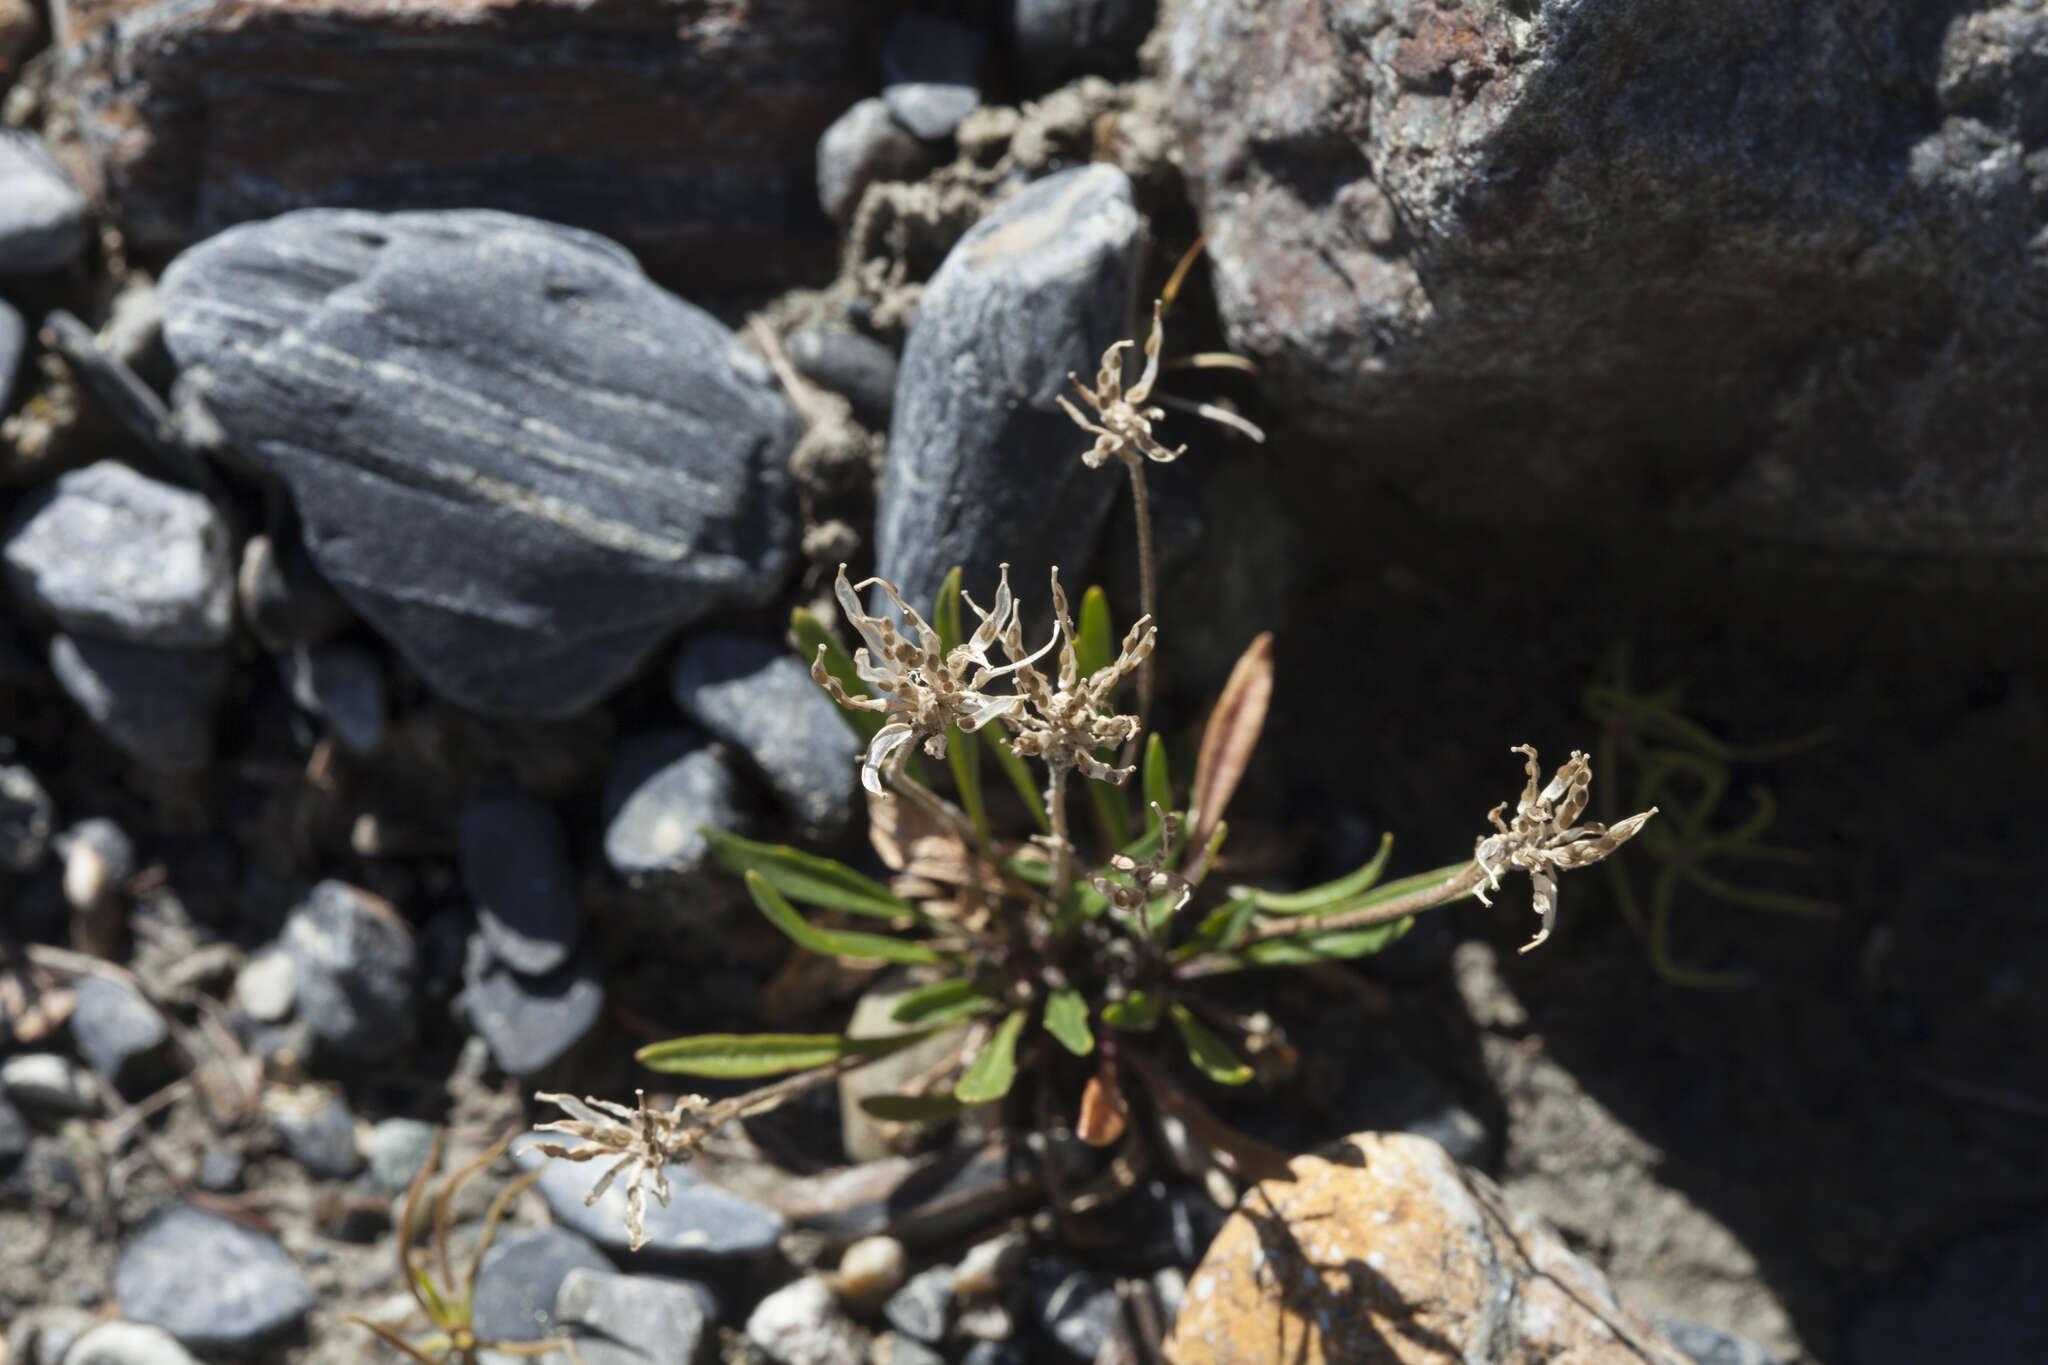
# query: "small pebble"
49,1082
930,69
265,986
42,215
530,1022
799,1324
516,867
399,1149
633,1319
859,368
343,684
356,970
521,1277
158,706
220,1170
870,1270
662,788
752,692
923,1308
116,1030
864,146
211,1283
318,1130
27,815
127,1343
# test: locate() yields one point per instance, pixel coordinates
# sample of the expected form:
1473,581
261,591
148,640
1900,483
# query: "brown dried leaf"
1103,1111
913,842
1232,735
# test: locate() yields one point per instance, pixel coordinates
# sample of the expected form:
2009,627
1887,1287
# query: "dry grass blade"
1232,735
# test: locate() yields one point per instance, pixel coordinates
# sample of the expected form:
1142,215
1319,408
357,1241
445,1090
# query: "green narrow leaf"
939,1002
739,1055
1066,1019
1020,776
1112,816
992,1072
912,1108
1220,929
1158,781
437,1307
809,878
1210,1054
831,942
1321,899
1329,946
1095,641
810,633
1137,1012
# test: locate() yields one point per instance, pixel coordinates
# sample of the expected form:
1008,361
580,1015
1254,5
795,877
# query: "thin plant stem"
1062,849
1462,881
1148,603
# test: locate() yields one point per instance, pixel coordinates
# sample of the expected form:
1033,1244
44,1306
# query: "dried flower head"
923,687
1123,425
644,1141
1065,718
1147,880
1542,840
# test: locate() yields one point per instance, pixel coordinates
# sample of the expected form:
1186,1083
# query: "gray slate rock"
158,706
529,1021
1705,1345
515,866
42,215
343,684
984,468
1743,268
127,1343
14,1135
127,398
1055,41
661,788
1075,1311
321,1137
13,346
753,693
1980,1300
116,1030
632,1319
863,146
521,1276
27,815
398,1149
48,1081
356,969
857,367
800,1324
931,72
213,1284
544,464
923,1307
701,1223
111,552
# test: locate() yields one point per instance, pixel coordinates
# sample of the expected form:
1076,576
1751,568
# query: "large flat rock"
516,457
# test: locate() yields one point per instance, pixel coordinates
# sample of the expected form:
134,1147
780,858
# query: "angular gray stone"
356,968
661,788
127,1343
50,1082
632,1319
701,1223
753,693
116,1030
923,1307
543,463
857,367
800,1324
13,345
984,468
1054,41
213,1284
515,866
865,145
521,1276
42,215
1754,269
158,706
111,552
343,684
398,1149
320,1134
1076,1312
529,1021
27,815
930,72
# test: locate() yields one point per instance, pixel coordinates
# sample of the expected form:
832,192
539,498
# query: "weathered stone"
858,368
1076,1312
343,684
521,1276
1704,1345
110,552
700,1223
117,1031
662,787
42,215
156,705
515,865
865,144
27,815
799,1324
127,1343
869,1271
1402,1256
13,344
753,693
399,1148
547,463
1056,40
355,968
931,68
318,1130
266,985
684,131
632,1319
529,1021
923,1308
984,467
50,1082
213,1284
1748,268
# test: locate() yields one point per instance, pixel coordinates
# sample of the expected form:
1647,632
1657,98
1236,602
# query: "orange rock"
1398,1254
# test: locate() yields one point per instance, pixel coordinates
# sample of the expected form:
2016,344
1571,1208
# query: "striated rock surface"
683,129
1399,1255
1760,267
984,468
516,457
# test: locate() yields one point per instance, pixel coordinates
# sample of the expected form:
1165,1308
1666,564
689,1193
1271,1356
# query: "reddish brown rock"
684,129
1399,1255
